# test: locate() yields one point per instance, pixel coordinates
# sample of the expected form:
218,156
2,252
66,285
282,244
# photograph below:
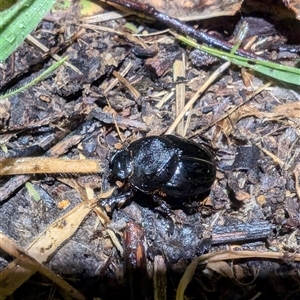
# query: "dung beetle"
165,166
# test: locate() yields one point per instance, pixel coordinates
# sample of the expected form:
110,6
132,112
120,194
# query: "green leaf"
33,192
18,21
269,68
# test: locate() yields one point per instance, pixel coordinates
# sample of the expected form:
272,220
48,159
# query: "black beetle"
166,165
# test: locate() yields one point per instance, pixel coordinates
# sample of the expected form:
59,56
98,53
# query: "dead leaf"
242,196
196,10
293,5
189,10
222,268
291,110
238,272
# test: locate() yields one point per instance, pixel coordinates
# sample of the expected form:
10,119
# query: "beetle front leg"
119,201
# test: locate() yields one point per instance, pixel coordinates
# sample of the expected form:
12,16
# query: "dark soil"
253,204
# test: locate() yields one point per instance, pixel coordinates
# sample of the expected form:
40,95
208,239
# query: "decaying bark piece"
241,233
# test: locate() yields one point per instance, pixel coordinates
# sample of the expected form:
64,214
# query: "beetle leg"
189,208
119,200
163,206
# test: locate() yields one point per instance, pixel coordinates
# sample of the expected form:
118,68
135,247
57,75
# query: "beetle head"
121,164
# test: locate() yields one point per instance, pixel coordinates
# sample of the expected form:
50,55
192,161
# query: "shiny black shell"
168,164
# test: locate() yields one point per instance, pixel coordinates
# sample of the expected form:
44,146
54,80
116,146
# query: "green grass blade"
18,21
271,69
35,80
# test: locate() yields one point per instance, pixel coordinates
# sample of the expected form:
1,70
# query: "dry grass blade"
115,241
275,158
186,279
130,37
28,262
227,255
47,165
115,81
232,110
30,39
104,17
135,93
297,183
164,99
179,74
43,247
191,102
